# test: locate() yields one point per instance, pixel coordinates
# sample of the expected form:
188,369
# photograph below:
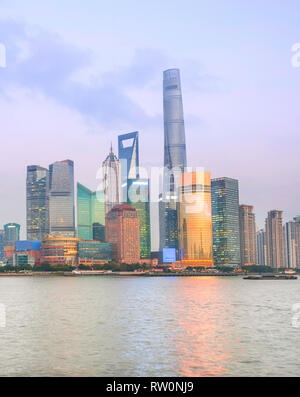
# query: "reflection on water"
202,326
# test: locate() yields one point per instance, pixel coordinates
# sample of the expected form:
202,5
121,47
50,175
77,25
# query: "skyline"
231,107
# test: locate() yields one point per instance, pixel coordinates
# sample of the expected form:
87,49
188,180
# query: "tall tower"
111,181
225,219
274,240
174,157
261,247
129,160
61,205
84,212
247,235
37,202
11,233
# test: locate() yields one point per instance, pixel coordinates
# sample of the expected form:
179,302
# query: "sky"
78,74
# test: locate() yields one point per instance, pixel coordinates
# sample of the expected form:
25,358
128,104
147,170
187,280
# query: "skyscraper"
84,212
195,220
139,198
174,157
129,160
37,202
247,235
61,204
11,233
261,247
122,231
111,181
90,214
225,220
274,240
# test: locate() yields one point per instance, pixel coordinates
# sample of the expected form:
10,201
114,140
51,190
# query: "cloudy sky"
80,73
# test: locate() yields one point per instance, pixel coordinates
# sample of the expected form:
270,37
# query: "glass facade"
129,160
174,157
37,202
90,214
225,221
2,245
60,251
62,209
139,198
195,220
84,212
111,181
11,233
90,252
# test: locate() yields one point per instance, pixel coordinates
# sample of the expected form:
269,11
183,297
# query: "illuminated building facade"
195,220
61,204
274,240
93,253
225,218
60,251
2,239
129,160
111,181
247,235
139,198
37,202
123,232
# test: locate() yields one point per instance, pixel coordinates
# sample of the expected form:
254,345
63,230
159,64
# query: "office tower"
11,233
37,202
261,247
274,240
90,214
247,235
225,219
84,212
98,215
61,202
297,240
2,239
123,232
174,157
129,160
139,198
195,219
111,181
60,251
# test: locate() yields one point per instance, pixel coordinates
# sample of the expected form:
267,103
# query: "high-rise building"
11,233
195,219
84,212
123,232
2,240
174,158
261,247
61,203
274,240
247,235
129,160
292,242
225,220
37,202
90,214
139,198
111,181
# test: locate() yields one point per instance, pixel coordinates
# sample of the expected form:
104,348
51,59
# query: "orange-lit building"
195,220
60,251
122,231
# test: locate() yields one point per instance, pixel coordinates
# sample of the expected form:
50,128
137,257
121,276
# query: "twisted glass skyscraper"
174,157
